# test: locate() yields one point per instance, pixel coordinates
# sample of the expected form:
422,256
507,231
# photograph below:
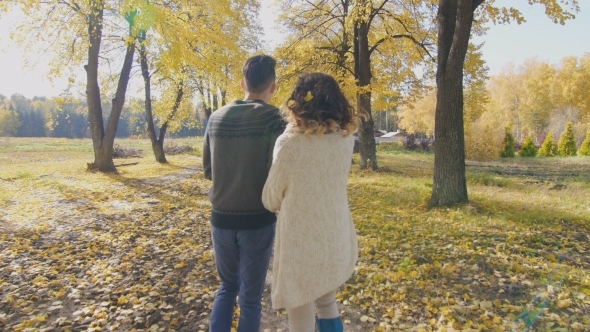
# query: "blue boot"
330,325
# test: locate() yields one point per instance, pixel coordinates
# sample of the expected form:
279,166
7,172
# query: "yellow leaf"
485,304
122,300
60,293
564,303
497,303
9,299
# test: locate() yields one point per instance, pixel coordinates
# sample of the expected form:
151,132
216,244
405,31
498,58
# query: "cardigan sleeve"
276,183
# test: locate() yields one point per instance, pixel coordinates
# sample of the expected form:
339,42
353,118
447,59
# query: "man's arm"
206,155
276,130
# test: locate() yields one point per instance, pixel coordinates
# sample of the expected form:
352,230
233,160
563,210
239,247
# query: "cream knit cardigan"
316,247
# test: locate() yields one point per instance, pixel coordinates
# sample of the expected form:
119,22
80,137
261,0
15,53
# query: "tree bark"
103,140
157,141
95,120
362,68
223,96
164,128
215,102
455,18
157,146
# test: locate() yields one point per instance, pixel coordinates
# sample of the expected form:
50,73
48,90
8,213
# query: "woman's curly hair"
318,106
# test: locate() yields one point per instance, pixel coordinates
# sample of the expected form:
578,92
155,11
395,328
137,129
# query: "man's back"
237,155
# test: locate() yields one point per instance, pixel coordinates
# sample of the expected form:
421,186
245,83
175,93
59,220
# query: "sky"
503,44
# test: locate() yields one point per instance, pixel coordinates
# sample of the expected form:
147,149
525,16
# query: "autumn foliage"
480,143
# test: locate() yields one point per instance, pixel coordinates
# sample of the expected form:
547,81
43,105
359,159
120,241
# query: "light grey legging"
302,319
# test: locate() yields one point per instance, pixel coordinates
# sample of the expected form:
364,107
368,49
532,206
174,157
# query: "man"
237,155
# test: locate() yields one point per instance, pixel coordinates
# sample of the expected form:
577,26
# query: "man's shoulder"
245,119
246,109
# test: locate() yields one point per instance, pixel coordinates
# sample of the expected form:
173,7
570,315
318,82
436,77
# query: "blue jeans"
241,259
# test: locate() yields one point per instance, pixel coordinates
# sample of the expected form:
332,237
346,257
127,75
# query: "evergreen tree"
33,124
528,148
123,127
585,148
23,130
567,141
548,148
79,125
508,143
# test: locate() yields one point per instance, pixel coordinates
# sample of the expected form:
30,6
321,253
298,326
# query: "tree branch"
477,3
375,12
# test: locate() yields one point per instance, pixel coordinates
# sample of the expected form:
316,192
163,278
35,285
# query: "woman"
316,246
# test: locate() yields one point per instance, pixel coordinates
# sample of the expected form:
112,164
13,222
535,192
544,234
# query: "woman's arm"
276,183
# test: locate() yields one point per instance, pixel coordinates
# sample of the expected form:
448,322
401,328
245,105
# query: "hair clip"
308,96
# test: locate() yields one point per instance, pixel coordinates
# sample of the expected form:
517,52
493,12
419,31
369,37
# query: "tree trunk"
103,140
362,68
215,103
157,146
102,161
223,96
455,18
164,128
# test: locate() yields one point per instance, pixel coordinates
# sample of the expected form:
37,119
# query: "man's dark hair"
259,73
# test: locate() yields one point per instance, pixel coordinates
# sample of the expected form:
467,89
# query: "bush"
508,143
390,147
480,144
585,148
567,142
548,148
528,148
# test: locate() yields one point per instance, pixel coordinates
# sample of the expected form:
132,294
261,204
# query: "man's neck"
256,96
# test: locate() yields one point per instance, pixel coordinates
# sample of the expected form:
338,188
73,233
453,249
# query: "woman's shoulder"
288,140
289,136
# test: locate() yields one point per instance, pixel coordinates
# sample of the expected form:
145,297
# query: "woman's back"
315,246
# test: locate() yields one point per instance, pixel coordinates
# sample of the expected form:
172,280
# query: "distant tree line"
68,117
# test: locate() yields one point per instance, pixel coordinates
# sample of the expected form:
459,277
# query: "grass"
516,258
